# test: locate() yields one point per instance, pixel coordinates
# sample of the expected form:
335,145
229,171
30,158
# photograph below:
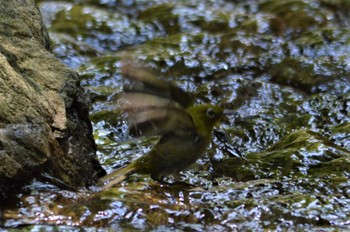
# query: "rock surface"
44,125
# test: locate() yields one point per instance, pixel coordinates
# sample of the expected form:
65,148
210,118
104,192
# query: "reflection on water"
282,65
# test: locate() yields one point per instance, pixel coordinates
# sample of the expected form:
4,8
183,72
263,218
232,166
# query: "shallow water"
282,162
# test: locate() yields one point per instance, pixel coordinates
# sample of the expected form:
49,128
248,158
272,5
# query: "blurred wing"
148,114
153,106
146,82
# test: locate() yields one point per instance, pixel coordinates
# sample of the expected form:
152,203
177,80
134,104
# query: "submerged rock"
300,154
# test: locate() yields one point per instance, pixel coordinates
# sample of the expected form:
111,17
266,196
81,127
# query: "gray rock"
44,126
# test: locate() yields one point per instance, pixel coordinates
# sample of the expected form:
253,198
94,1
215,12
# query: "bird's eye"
211,113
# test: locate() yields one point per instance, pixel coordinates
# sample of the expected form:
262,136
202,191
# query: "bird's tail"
117,176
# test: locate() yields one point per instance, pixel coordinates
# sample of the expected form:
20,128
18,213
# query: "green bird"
155,107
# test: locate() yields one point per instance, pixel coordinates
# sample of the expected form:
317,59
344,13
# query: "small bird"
155,107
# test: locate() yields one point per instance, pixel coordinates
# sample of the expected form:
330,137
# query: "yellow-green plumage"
154,107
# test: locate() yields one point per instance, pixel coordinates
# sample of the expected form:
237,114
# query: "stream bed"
281,162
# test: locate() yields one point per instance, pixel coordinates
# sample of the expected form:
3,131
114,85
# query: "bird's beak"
228,111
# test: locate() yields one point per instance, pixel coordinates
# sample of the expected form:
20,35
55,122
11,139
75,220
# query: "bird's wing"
153,106
145,81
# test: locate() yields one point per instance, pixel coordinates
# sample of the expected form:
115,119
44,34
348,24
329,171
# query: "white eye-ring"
211,113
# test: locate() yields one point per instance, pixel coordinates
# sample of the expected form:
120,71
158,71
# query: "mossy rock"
302,153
